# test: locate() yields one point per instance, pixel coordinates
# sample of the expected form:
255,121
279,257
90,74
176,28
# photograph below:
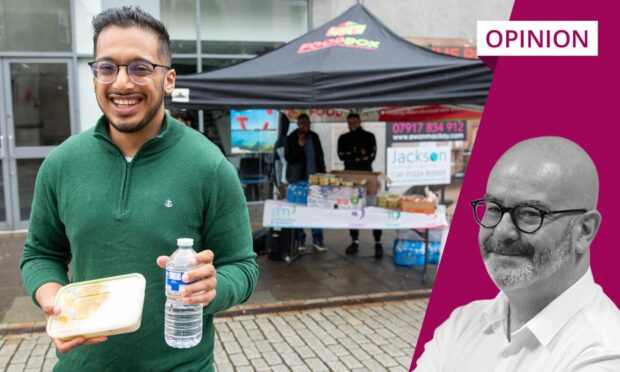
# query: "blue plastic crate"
434,252
297,192
408,252
411,252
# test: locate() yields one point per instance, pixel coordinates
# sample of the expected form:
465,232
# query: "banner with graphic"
253,130
423,165
283,214
423,131
416,114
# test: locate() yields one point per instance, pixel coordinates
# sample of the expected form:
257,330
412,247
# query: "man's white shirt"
578,331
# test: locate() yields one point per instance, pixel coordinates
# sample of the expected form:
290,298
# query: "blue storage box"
411,252
408,252
434,252
297,192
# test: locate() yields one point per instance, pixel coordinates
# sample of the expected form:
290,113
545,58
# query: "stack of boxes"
348,190
331,192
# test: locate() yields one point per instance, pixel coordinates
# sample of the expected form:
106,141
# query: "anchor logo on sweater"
168,203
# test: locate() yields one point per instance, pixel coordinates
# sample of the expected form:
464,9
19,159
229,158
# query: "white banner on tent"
423,165
283,214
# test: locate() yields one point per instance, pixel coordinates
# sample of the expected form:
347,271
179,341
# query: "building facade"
46,91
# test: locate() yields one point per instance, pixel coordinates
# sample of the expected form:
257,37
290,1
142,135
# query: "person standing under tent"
357,149
304,156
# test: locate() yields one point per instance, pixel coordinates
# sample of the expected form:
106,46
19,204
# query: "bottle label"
174,283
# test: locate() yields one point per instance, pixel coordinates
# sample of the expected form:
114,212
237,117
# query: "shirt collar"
497,310
170,133
547,323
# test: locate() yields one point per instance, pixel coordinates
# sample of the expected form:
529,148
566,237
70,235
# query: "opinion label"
537,38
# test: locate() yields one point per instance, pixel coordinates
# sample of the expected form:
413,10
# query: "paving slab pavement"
371,336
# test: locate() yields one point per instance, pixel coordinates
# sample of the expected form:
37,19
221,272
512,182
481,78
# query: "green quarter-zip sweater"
108,217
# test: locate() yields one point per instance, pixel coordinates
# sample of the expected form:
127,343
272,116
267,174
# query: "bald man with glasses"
537,221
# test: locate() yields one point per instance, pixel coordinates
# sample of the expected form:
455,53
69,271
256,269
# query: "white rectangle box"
100,307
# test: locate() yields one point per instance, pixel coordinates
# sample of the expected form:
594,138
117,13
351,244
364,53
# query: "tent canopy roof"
352,61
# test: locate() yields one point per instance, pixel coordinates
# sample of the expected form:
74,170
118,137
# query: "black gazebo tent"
352,61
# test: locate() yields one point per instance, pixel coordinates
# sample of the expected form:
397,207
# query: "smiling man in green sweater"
114,199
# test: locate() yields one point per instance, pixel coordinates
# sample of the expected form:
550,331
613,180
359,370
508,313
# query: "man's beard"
136,127
531,265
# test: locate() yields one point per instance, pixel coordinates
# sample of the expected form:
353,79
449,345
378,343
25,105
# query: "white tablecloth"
283,214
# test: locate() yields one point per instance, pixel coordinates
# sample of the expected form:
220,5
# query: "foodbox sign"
413,166
347,35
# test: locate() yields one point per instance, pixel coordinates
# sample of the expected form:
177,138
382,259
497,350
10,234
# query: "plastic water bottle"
183,324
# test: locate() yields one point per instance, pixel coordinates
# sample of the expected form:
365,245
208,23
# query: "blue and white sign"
424,165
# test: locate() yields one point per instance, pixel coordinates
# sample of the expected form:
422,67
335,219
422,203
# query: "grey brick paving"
272,358
239,360
372,337
8,349
39,349
251,352
351,362
4,360
373,365
386,360
16,367
259,364
301,368
360,354
35,362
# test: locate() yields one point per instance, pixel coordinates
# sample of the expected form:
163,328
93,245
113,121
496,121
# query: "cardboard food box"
101,307
337,197
417,204
372,179
388,201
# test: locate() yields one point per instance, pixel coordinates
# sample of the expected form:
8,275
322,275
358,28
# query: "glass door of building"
36,115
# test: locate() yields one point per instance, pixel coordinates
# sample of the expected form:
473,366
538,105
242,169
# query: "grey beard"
541,265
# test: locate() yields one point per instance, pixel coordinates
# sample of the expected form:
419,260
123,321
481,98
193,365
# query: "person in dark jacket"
304,156
357,149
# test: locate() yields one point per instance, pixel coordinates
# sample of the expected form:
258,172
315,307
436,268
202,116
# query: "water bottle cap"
185,242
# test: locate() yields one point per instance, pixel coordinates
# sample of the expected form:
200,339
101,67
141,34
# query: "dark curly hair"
130,16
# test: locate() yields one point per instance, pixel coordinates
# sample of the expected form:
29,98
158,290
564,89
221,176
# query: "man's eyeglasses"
140,72
526,218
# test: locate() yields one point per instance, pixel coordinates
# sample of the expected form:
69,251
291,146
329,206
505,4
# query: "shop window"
210,64
34,25
250,27
184,66
179,16
250,48
40,103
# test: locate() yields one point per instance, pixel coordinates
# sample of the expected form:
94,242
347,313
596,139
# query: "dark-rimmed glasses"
140,72
527,219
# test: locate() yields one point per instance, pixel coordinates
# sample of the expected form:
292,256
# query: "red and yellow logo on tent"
346,29
342,35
